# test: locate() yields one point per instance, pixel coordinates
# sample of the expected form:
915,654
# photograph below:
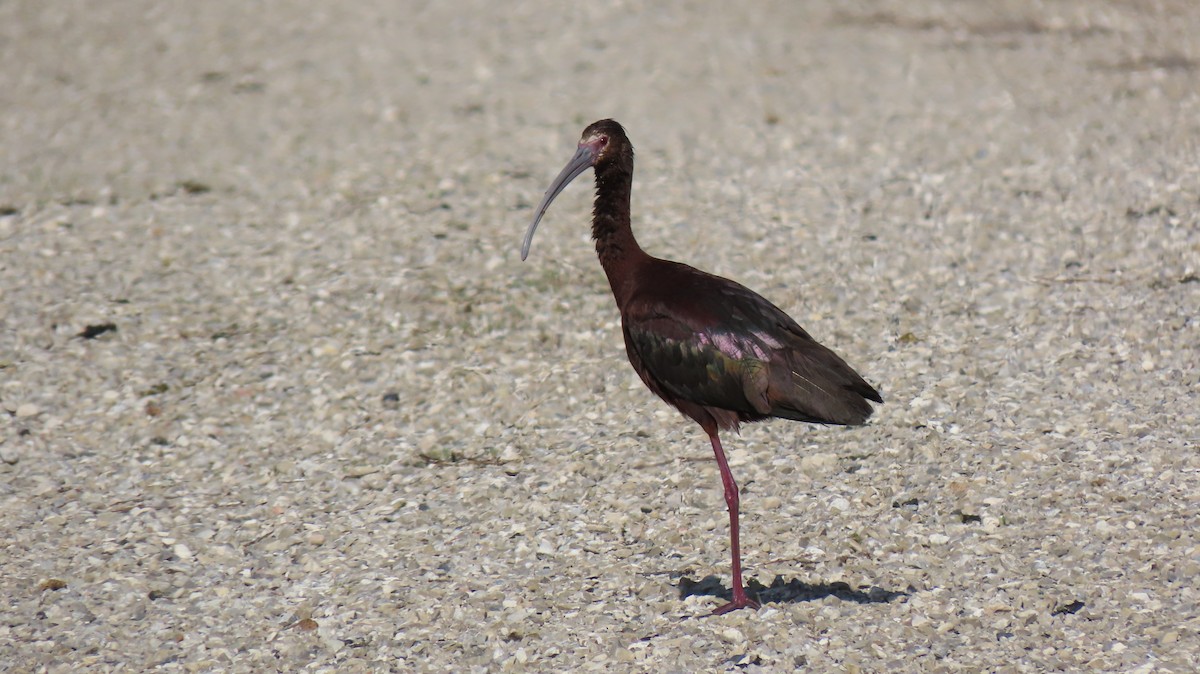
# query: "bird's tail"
815,385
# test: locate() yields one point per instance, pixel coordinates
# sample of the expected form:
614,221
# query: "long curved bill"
584,157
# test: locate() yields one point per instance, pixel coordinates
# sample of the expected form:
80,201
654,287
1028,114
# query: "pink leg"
740,600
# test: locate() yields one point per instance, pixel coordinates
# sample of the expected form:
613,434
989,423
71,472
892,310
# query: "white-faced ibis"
716,350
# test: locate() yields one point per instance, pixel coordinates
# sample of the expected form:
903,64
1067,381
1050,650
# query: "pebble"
27,410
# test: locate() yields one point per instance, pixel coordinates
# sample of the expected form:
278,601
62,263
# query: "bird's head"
603,143
606,140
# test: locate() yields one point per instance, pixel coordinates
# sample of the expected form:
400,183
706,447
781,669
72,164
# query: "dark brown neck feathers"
615,245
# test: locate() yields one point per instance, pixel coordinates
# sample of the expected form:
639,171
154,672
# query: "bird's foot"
740,600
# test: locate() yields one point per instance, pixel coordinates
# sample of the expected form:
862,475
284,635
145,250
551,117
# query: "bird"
717,351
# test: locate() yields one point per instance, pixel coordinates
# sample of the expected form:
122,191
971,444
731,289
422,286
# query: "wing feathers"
708,341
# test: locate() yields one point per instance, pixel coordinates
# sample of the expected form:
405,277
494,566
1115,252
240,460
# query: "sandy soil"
277,393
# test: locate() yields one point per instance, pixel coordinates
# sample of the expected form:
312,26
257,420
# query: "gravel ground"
278,395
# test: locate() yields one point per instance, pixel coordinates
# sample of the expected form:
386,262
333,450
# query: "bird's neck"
619,252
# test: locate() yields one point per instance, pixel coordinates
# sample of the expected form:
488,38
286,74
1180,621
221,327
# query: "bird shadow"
792,591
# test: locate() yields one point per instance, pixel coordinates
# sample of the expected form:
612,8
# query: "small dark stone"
743,660
391,397
970,519
1071,608
94,331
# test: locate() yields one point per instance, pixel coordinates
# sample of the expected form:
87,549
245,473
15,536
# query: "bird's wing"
689,357
720,344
